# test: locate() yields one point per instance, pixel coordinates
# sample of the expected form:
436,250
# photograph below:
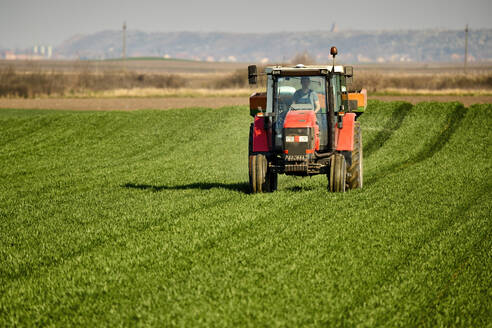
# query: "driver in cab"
306,95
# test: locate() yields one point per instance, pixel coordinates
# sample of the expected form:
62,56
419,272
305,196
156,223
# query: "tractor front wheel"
338,173
261,177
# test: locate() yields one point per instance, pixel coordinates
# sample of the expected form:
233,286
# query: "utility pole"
466,46
124,46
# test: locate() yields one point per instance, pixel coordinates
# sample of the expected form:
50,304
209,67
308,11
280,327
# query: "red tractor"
306,124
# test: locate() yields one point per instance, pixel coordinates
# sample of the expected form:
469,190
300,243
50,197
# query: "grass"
426,81
235,92
144,78
35,84
143,219
428,92
246,92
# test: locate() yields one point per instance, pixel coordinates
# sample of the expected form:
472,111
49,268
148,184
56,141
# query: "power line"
123,55
124,41
466,46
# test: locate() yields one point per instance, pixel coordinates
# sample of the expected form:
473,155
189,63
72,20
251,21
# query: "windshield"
300,92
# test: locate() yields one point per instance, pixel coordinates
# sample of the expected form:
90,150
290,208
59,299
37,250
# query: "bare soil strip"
122,103
180,102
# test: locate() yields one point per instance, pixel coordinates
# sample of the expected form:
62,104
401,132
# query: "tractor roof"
300,70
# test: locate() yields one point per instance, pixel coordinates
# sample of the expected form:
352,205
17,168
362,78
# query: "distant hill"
354,46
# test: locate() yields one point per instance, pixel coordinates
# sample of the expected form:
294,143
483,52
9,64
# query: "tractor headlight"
296,139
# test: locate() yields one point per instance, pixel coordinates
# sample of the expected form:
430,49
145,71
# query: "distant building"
334,27
9,55
37,52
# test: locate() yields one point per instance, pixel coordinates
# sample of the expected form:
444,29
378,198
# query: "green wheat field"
144,218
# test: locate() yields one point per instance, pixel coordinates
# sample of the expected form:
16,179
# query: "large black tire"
355,172
261,176
261,172
338,173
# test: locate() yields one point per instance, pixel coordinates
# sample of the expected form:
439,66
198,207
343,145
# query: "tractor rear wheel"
354,172
261,177
338,173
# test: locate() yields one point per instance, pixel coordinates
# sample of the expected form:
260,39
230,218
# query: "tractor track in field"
126,104
452,122
28,270
414,249
391,126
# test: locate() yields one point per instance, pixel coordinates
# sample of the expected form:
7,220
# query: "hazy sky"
27,22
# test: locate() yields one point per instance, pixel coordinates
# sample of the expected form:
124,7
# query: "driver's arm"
295,97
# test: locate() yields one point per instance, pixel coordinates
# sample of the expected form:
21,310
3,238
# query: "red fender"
345,135
261,137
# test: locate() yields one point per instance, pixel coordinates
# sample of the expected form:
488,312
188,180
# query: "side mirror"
349,75
349,71
252,74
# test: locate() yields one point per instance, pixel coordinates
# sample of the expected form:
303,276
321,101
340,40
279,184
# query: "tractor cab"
300,93
304,120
